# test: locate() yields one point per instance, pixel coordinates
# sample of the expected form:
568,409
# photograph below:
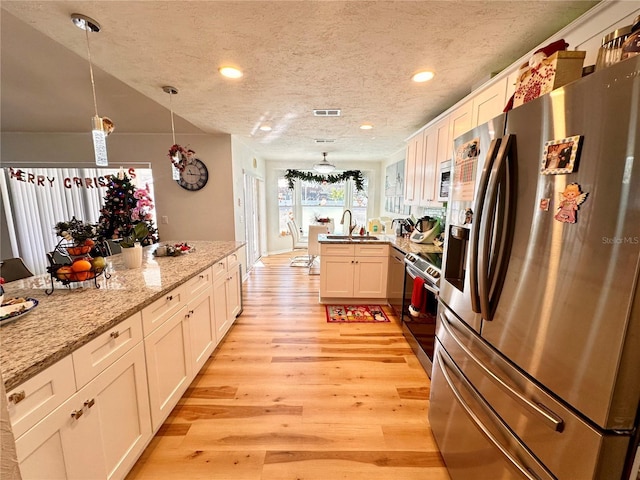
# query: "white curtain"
38,198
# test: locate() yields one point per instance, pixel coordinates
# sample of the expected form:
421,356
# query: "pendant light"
176,152
101,127
324,166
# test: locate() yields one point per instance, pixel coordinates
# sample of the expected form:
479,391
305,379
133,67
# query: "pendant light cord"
173,128
93,83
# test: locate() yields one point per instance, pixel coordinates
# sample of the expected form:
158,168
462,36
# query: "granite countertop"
71,317
400,243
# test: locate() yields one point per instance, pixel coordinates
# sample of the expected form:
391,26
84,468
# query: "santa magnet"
570,200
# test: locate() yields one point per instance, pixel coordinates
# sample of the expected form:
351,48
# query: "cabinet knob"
90,403
169,298
114,334
17,397
76,414
201,277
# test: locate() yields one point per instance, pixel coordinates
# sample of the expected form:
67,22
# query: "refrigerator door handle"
505,431
496,228
475,230
549,417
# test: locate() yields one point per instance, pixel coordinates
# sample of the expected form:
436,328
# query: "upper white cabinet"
489,103
413,169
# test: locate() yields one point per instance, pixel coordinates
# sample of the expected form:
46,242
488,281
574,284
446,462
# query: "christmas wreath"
355,175
178,156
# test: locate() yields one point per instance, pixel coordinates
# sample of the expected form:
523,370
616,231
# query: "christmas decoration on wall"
355,175
124,207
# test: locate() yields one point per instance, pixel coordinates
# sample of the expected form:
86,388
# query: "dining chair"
298,244
14,269
314,246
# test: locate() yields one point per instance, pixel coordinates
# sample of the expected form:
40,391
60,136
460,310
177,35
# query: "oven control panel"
424,268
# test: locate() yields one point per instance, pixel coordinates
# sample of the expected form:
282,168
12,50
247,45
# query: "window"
35,199
309,201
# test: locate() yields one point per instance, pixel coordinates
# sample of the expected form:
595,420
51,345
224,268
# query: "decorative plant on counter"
355,175
139,233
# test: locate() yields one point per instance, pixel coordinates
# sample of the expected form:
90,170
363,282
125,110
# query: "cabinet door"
63,447
428,184
168,358
336,276
198,283
234,292
460,121
119,398
489,103
202,332
220,312
370,277
413,170
159,311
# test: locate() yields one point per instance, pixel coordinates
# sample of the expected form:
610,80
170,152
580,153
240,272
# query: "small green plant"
139,232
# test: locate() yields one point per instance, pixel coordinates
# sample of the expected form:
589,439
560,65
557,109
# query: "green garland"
356,175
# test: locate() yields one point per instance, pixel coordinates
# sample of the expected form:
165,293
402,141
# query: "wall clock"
194,176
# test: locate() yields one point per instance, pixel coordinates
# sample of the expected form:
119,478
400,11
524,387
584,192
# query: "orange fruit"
88,242
64,272
82,269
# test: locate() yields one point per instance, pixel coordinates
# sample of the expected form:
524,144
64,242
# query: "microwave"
444,181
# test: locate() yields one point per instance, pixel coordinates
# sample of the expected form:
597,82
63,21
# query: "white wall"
204,215
397,157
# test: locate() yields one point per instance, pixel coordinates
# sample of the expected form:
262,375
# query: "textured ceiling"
297,55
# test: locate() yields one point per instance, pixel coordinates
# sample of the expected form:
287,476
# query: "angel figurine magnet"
571,198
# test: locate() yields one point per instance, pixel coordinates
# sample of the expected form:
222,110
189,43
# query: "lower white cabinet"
202,329
354,271
227,301
168,354
99,432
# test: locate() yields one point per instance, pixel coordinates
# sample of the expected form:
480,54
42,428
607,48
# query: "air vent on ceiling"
327,112
324,140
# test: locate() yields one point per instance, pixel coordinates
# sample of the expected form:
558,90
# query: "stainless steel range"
420,301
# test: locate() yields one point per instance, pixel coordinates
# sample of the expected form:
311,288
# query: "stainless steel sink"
358,238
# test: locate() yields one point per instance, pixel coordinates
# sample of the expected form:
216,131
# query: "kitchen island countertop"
401,243
71,317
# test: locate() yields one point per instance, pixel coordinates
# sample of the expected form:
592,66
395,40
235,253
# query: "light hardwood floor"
289,396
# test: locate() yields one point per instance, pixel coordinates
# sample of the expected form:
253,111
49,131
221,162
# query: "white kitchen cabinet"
460,120
429,167
98,433
168,355
353,271
36,398
489,103
159,311
202,331
227,297
413,169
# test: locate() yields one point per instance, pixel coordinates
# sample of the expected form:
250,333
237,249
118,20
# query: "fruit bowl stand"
64,272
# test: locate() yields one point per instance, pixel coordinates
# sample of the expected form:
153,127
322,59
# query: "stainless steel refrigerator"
537,364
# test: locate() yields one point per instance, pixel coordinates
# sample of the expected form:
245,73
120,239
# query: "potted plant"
131,248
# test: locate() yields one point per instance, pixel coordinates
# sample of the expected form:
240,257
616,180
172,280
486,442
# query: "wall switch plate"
165,219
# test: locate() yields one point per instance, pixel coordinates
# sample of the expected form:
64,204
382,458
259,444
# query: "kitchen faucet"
351,227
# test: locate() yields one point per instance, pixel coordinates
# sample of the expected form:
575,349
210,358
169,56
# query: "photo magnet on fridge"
561,156
570,199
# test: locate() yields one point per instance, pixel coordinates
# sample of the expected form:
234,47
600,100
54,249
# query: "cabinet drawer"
336,249
198,284
233,260
159,311
378,250
219,268
34,399
92,358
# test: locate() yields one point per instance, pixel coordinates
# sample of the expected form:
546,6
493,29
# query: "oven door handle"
427,286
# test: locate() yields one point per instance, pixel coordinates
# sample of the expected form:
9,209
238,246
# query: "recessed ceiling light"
424,76
230,72
265,128
366,126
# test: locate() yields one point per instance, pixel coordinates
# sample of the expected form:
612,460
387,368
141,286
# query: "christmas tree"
124,207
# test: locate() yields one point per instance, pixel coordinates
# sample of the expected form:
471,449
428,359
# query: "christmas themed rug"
355,314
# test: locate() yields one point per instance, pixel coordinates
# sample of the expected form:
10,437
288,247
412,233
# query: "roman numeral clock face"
194,176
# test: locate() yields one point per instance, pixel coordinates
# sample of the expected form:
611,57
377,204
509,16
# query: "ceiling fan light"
230,72
324,166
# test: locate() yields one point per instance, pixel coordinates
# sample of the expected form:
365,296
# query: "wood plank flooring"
288,396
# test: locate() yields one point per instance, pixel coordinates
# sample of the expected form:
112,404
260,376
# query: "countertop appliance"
419,321
426,229
537,358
